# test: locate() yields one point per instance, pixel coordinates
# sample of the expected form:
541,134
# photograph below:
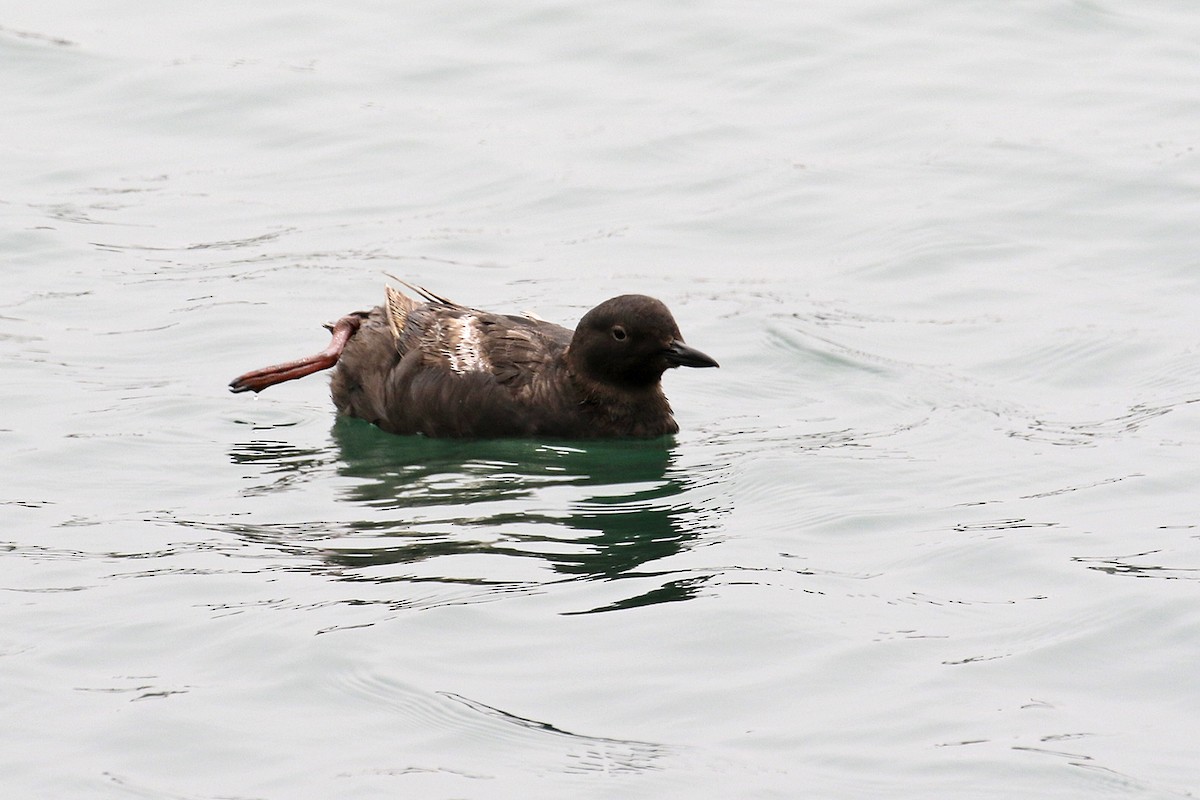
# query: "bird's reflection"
586,510
279,464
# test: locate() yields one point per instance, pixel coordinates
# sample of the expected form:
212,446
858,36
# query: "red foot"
260,379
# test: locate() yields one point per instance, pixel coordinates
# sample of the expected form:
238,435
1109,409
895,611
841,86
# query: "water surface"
931,531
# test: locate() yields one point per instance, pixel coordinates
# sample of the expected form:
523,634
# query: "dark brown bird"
436,368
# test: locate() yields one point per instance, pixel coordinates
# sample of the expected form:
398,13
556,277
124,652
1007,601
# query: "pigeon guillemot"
437,368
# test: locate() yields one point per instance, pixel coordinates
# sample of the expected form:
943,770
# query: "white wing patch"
464,346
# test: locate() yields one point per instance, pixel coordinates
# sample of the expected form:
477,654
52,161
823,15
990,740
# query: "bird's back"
434,367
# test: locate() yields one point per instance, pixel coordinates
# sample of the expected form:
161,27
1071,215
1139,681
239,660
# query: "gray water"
931,531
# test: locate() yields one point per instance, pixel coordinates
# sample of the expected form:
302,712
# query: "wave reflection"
491,517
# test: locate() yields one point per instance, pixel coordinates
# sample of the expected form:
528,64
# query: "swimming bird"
431,366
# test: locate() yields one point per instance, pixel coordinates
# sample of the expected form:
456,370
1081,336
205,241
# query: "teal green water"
930,531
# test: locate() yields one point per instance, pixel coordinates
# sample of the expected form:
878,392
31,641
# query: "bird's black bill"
680,355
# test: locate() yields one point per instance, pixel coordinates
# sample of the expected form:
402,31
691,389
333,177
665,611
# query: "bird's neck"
622,410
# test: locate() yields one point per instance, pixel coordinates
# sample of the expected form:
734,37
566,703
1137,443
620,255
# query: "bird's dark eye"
618,333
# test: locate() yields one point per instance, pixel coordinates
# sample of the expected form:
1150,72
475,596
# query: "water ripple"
511,736
1125,566
1091,432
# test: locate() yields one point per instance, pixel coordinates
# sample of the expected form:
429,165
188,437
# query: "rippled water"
931,531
